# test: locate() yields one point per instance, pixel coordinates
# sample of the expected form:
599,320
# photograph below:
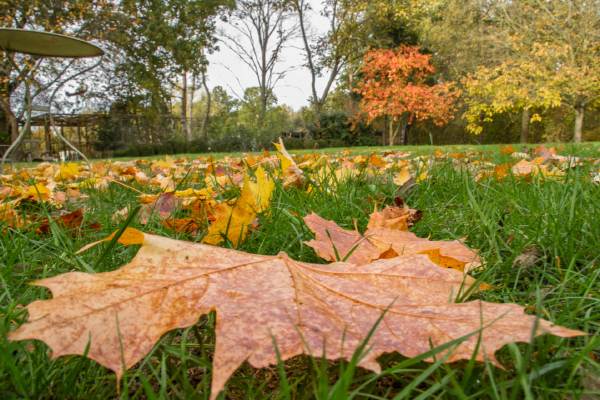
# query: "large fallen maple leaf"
117,317
334,243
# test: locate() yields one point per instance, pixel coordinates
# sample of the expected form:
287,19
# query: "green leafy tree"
84,19
162,42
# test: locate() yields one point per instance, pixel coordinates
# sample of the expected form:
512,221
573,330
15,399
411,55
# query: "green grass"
501,218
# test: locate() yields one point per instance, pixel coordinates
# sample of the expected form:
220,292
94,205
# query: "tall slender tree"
324,57
259,31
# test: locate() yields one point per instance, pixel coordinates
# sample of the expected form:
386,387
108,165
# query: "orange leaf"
360,249
400,218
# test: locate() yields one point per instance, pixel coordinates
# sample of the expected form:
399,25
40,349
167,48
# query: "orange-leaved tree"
397,84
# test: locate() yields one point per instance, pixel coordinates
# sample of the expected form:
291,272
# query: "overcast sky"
228,71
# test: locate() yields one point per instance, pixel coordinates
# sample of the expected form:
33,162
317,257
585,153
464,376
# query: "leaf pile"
385,277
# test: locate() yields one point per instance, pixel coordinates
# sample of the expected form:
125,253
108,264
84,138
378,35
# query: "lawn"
538,236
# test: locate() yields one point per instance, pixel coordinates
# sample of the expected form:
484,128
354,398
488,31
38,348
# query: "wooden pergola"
81,123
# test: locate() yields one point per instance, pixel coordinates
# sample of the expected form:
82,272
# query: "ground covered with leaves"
532,214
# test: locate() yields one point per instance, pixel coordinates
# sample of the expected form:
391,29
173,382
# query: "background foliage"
525,71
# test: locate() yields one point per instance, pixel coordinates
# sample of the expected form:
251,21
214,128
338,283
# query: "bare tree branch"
261,28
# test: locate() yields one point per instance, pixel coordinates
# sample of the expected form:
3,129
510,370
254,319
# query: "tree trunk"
10,119
184,106
405,128
4,127
48,137
206,120
317,107
263,107
577,133
525,126
191,106
391,132
14,127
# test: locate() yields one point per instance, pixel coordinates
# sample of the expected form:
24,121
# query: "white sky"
226,69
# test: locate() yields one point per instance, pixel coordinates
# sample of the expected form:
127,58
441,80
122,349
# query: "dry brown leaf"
117,317
446,253
392,217
528,258
507,150
70,220
164,205
333,243
183,225
524,168
9,215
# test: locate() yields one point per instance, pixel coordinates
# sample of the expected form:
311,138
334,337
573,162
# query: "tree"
396,84
514,85
463,35
323,53
84,19
553,59
261,29
373,24
165,41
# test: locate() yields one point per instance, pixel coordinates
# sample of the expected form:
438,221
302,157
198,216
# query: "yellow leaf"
264,191
67,171
291,172
39,192
232,221
402,177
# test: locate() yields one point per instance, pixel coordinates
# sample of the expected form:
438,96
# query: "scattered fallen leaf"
232,221
400,218
70,220
524,168
528,258
292,174
163,206
402,177
507,150
334,243
183,225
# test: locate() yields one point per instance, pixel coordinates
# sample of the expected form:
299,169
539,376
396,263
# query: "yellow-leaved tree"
554,60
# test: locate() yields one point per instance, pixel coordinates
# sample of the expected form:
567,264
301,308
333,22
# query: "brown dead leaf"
400,218
115,318
524,168
507,150
528,258
164,205
70,220
10,216
183,225
333,243
376,161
